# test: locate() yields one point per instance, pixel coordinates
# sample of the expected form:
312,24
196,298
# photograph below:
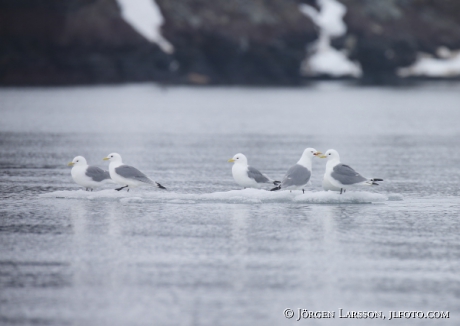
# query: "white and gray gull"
298,175
126,175
247,176
341,176
88,176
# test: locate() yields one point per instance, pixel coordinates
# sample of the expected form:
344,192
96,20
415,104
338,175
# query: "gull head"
113,157
78,160
239,159
310,153
331,154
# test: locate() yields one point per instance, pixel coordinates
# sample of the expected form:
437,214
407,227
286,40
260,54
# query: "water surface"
176,261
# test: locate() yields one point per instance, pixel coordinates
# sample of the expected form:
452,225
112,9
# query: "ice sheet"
233,196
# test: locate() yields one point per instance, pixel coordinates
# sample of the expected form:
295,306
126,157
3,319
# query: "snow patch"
426,65
325,59
245,196
145,17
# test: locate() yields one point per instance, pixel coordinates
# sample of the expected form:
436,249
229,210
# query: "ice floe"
245,196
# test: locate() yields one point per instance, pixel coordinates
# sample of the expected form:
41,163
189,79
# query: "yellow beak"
105,159
70,164
320,155
231,160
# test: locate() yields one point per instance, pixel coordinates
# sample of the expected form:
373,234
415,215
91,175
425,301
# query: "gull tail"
276,188
372,182
276,182
159,186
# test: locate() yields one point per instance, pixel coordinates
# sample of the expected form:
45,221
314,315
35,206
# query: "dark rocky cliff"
258,42
386,35
87,41
73,41
238,41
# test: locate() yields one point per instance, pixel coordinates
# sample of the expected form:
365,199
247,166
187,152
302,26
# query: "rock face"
237,41
260,42
71,42
386,35
87,41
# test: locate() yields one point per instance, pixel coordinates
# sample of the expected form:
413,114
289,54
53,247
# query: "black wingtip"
276,182
276,188
374,183
160,186
377,179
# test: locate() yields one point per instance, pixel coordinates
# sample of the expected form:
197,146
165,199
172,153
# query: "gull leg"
341,190
303,191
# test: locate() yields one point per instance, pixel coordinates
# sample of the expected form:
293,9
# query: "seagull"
327,186
341,176
299,174
88,176
247,176
126,175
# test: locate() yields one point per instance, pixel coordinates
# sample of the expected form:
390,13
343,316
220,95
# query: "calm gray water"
141,259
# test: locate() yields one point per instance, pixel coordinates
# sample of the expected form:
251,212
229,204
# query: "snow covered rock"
237,42
384,36
74,42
